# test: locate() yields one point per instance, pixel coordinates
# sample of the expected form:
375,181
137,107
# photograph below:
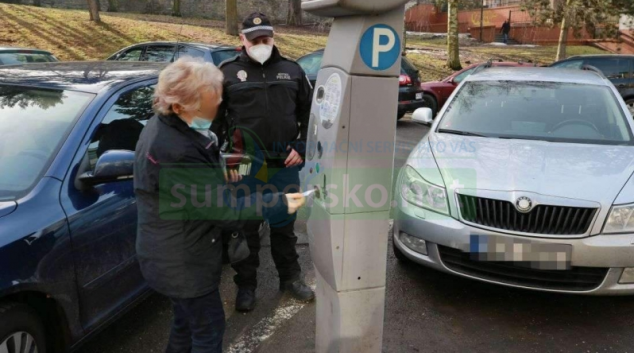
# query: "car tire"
630,104
430,102
20,323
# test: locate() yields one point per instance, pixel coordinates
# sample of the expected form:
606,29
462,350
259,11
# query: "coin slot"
320,150
321,93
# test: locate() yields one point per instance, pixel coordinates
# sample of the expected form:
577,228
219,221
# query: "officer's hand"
232,176
295,202
294,159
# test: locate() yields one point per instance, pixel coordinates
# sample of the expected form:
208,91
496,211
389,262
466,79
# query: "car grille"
575,279
543,219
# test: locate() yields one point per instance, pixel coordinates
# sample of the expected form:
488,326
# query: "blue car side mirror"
112,166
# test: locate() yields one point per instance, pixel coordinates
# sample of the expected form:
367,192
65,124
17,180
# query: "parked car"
169,51
524,180
410,95
617,68
17,56
68,215
437,92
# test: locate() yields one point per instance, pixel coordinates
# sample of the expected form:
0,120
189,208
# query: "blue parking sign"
380,47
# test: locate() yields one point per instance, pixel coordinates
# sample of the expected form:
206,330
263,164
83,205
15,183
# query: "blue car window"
131,55
160,53
121,127
223,55
311,63
189,51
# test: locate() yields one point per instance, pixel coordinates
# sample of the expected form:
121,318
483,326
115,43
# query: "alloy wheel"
19,342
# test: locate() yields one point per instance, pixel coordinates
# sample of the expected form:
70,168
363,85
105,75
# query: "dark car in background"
410,95
619,69
437,92
18,56
68,215
170,51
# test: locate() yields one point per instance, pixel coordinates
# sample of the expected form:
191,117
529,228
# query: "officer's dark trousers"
198,326
283,239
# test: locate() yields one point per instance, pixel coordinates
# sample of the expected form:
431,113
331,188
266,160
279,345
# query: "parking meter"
349,161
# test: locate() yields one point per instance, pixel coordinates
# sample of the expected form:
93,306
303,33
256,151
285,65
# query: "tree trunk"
231,17
563,36
112,6
453,44
176,8
294,17
93,9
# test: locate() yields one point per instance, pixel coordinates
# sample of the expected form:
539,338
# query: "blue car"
68,214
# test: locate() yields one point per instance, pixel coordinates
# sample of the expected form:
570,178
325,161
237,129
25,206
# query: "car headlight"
422,193
620,220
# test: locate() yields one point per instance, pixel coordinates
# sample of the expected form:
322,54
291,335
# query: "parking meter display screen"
329,107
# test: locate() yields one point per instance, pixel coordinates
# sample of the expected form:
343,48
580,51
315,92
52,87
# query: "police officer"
265,114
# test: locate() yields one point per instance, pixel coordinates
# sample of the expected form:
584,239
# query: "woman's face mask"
200,124
261,52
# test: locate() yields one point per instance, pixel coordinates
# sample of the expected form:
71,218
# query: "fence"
524,31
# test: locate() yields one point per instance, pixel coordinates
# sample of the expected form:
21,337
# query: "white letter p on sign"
378,48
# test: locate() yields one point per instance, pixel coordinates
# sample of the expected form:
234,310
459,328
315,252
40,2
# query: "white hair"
181,82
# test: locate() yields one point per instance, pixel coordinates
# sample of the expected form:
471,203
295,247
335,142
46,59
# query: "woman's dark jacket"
183,204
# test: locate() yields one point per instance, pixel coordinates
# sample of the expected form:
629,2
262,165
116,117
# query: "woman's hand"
232,176
293,159
295,202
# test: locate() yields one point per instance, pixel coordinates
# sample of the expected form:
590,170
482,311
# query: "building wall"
426,18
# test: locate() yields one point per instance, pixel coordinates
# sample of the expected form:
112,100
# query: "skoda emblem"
524,204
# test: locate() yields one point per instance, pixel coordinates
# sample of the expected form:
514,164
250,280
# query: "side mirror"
423,116
112,166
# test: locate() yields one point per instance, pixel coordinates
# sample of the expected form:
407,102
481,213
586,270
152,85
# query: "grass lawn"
71,36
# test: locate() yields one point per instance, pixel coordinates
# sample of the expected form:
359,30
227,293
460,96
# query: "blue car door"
103,218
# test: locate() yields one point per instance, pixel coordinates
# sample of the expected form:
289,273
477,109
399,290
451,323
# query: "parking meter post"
350,161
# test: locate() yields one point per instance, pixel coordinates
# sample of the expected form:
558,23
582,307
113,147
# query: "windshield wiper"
458,132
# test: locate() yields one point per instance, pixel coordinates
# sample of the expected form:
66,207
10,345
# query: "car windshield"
33,125
548,111
220,56
25,58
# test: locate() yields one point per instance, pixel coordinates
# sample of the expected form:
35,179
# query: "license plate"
419,96
536,255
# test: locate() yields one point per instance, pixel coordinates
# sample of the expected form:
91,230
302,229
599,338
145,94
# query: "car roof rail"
595,70
481,67
529,61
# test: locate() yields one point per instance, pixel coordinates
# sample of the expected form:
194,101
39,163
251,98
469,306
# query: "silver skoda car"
524,180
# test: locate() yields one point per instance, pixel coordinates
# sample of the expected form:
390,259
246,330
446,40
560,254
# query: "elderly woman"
179,179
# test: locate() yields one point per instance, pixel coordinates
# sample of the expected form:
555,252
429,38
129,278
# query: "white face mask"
261,52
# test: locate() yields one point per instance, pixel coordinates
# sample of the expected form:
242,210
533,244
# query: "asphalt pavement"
426,311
